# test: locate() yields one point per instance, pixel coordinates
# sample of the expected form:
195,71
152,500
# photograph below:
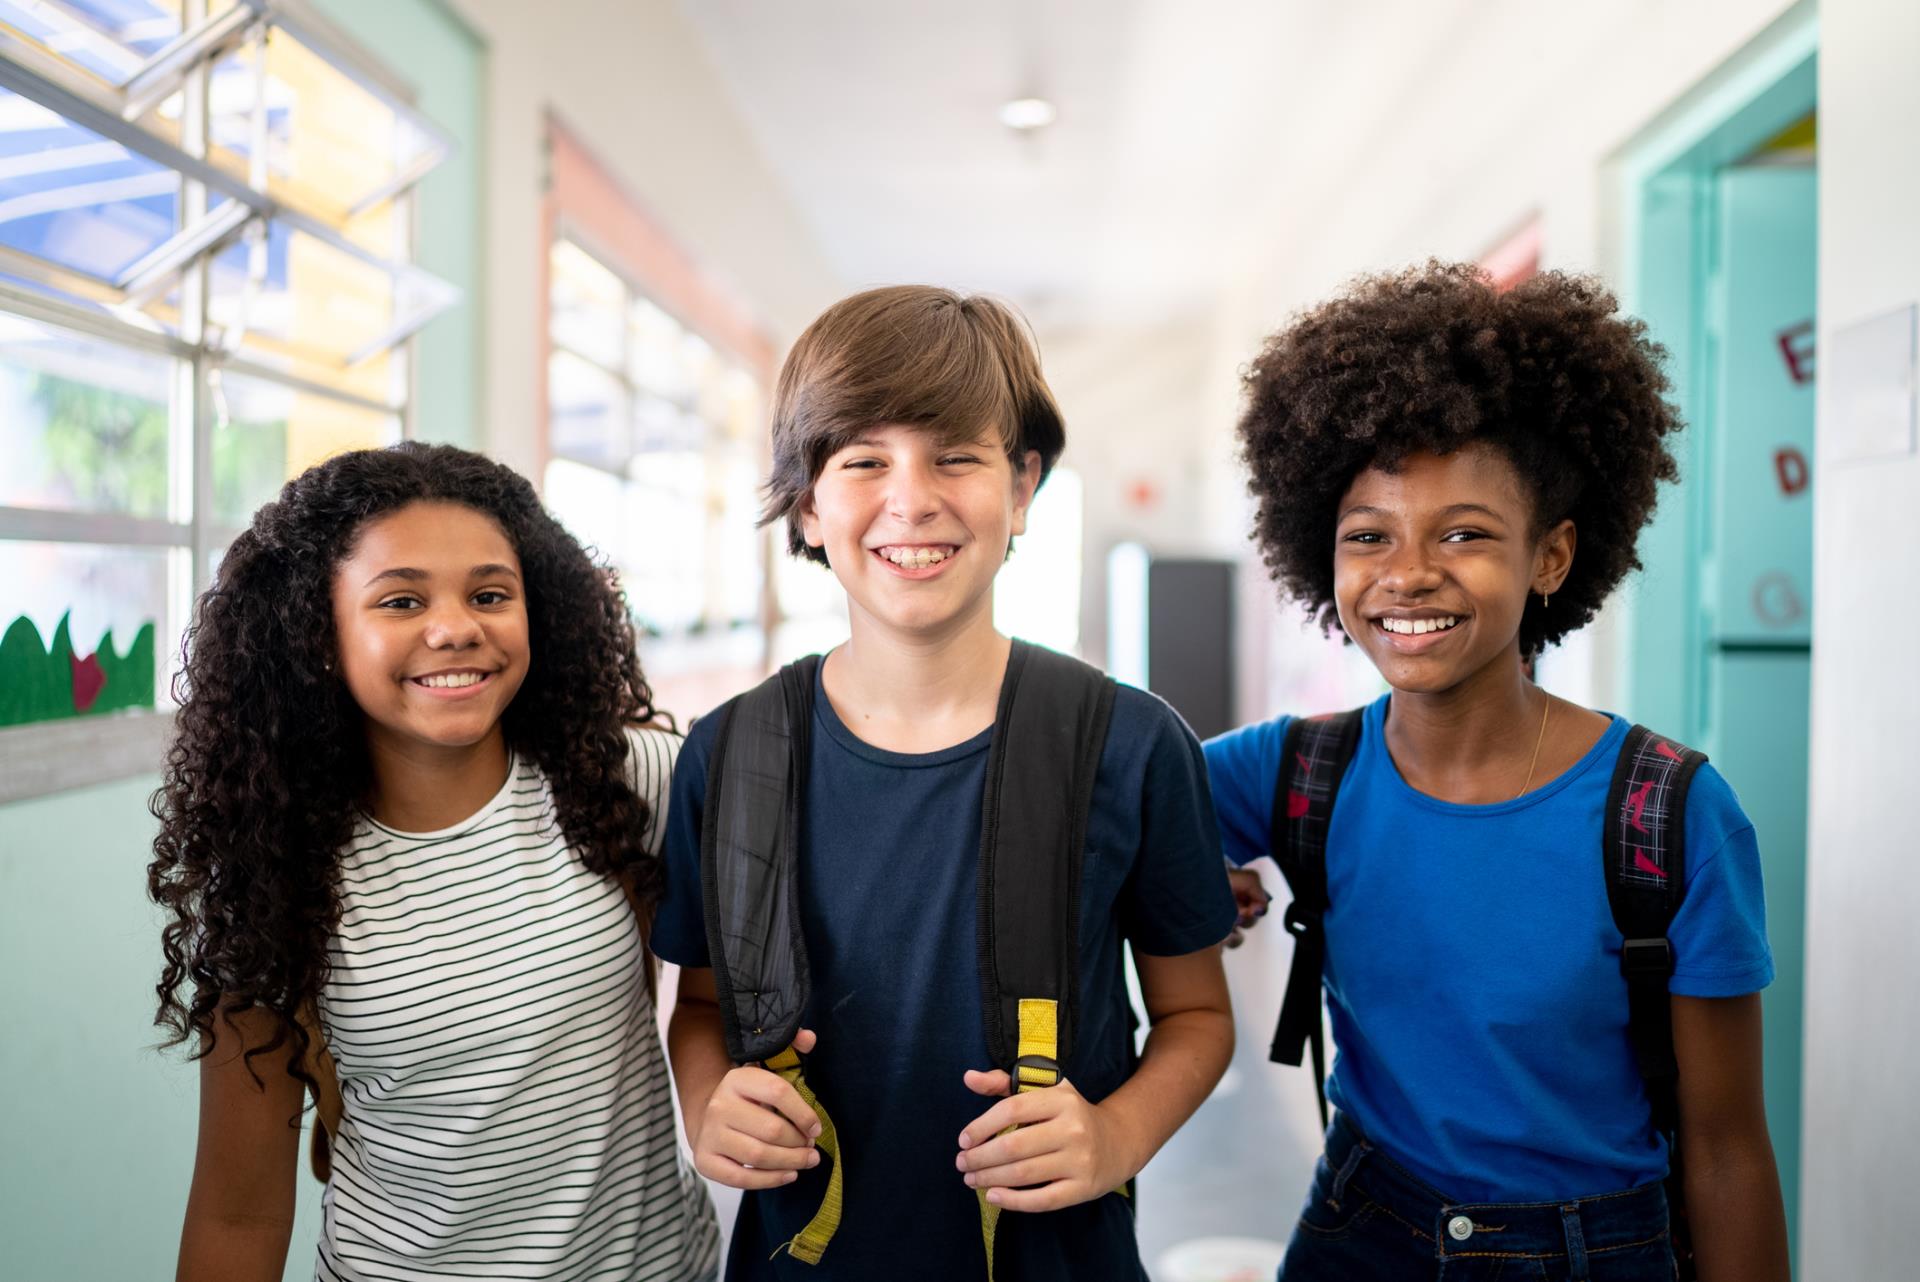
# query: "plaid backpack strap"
1313,759
1644,844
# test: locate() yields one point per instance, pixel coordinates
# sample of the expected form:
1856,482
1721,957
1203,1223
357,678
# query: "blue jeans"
1368,1220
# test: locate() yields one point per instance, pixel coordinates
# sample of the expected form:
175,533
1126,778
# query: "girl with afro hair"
1454,478
408,841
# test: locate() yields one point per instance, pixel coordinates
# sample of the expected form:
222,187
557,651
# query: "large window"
655,440
205,286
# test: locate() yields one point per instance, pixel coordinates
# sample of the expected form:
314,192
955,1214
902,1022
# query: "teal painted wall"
99,1126
445,63
1720,259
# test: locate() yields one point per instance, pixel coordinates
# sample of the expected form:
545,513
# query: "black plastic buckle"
1646,958
1301,920
1042,1063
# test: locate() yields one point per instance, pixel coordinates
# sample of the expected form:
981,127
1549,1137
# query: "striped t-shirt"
507,1107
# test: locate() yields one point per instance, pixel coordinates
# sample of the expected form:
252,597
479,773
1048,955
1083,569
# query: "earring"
1543,600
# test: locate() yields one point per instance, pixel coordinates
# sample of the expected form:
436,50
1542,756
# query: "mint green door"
1755,553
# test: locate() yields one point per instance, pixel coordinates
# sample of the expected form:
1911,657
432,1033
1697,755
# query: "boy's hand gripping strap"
1036,1068
810,1243
750,889
1048,736
1313,760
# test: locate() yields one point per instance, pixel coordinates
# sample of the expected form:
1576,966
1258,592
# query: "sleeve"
1177,900
1243,766
1719,936
680,927
650,756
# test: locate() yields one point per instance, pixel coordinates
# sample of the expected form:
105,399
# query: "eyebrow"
1456,509
409,574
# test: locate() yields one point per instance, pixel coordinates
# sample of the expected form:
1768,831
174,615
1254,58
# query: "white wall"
633,83
1861,1119
1517,113
1132,401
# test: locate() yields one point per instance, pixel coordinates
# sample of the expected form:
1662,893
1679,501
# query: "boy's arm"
1075,1151
749,1128
1732,1187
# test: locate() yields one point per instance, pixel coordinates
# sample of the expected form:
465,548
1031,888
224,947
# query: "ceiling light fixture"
1025,115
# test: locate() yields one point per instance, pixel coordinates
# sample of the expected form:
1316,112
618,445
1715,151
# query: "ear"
1026,480
1553,558
810,521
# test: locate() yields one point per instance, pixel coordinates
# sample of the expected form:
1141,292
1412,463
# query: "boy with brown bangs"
911,430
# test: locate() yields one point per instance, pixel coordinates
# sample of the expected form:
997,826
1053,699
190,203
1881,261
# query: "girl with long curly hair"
1454,478
408,842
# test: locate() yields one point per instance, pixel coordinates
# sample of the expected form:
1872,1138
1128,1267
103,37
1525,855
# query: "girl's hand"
1250,897
757,1133
1066,1150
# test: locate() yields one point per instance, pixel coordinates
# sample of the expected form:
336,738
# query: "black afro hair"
1435,358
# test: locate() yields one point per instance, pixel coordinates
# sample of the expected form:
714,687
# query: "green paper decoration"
41,683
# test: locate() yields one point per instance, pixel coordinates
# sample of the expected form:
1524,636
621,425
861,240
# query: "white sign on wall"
1871,389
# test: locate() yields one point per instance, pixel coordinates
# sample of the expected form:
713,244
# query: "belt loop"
1576,1242
1347,1167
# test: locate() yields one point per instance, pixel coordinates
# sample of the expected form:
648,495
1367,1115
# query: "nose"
450,625
1411,571
914,495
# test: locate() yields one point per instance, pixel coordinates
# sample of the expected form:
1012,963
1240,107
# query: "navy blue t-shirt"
890,860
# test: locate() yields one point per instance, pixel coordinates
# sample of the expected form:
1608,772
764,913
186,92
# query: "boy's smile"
917,560
914,527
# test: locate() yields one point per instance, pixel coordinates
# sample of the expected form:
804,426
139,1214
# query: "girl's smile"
1418,632
453,683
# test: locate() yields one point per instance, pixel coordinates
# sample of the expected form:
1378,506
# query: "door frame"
1662,182
1661,195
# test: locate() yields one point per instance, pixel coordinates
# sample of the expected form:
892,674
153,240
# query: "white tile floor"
1240,1167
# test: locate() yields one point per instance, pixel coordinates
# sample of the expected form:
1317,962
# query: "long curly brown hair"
1432,359
268,765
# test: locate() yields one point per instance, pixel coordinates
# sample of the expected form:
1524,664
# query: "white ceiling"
1189,134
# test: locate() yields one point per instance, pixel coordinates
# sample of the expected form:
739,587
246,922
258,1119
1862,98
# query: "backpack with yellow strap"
1048,734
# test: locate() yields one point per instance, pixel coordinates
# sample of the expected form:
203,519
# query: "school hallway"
240,237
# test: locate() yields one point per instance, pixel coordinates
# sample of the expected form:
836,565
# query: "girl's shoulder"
651,752
1714,816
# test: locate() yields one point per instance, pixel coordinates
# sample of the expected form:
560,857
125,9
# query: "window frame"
47,757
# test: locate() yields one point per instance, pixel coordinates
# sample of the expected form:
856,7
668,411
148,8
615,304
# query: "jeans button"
1459,1228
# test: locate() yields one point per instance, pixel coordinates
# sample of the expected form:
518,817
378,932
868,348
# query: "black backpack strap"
749,862
1313,760
1644,845
1048,735
750,888
1643,842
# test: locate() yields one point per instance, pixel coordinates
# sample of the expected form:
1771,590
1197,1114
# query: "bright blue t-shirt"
888,893
1473,967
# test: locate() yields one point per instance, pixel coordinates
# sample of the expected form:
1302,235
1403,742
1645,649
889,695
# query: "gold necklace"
1538,740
